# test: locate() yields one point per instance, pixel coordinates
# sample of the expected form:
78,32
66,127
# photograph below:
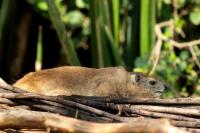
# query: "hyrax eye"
152,82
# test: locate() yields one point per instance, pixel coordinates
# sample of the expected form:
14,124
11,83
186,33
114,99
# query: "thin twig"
185,44
194,56
155,55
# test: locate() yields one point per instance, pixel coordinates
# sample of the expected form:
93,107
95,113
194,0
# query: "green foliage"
122,33
105,50
195,16
65,40
177,70
177,67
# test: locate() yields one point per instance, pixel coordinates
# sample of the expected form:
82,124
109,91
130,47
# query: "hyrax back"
111,81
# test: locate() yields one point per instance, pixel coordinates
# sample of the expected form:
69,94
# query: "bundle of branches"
21,109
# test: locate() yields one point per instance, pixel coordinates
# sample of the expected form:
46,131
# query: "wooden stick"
149,111
6,101
162,115
171,110
152,101
144,101
162,109
61,101
82,114
41,120
67,111
187,124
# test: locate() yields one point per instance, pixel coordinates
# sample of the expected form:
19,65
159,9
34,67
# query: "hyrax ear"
135,78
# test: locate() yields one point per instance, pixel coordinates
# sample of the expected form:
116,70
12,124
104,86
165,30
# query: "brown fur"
69,80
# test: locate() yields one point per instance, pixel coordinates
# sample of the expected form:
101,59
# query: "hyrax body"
111,81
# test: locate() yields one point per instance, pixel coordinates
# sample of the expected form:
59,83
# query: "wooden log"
42,120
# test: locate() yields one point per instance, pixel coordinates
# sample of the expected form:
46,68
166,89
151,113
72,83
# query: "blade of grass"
4,11
110,27
8,27
104,50
115,10
97,54
132,34
38,62
147,21
65,40
114,50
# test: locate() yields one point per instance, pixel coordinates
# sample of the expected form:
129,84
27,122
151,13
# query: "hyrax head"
145,86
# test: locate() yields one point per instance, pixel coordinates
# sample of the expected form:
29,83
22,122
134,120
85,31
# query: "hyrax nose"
167,87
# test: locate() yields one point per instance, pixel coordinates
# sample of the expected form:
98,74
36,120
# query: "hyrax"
111,81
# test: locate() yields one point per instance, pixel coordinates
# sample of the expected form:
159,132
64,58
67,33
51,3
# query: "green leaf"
141,65
184,55
179,23
73,18
172,56
81,4
42,5
180,3
194,17
167,1
182,65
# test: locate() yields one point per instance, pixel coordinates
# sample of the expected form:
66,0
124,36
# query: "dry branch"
158,30
162,115
42,120
155,55
61,101
153,101
149,111
183,124
171,110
